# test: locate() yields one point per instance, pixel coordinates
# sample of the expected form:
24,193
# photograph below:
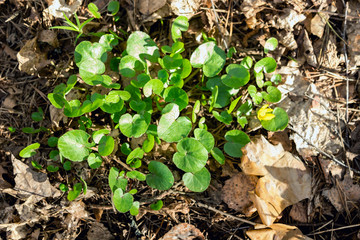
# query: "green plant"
156,105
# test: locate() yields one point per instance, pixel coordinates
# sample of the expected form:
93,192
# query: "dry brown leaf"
148,7
287,20
183,231
185,7
299,212
251,7
99,231
344,193
58,7
318,23
277,231
284,179
235,193
282,138
31,183
31,59
50,37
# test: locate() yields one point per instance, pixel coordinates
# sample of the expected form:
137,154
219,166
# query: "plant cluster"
156,106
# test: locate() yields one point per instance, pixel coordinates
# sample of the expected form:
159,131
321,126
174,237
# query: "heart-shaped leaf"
135,154
73,194
176,95
256,96
205,138
112,103
133,126
29,151
247,62
171,128
141,46
136,175
129,65
94,160
106,145
236,139
160,177
157,206
278,123
97,135
209,57
198,181
223,117
224,92
267,64
74,145
191,155
134,210
276,79
123,202
154,85
237,76
117,180
180,24
218,155
273,94
270,45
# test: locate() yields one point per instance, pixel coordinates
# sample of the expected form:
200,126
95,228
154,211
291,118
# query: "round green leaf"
123,202
125,148
134,210
63,187
29,151
136,175
218,155
112,103
160,177
154,85
97,135
73,194
135,154
106,145
52,141
180,24
129,65
52,168
236,140
247,62
94,160
113,7
176,95
278,123
210,57
148,143
141,46
270,45
171,128
237,76
256,96
273,94
198,181
267,64
191,155
74,145
224,92
133,126
205,138
67,165
117,180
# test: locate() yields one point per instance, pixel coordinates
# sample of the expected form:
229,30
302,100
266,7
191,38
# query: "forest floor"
318,57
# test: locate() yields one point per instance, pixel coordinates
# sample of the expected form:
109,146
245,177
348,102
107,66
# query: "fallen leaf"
49,37
235,193
31,183
186,8
284,180
343,193
147,7
299,212
183,231
58,7
318,23
277,231
99,231
287,20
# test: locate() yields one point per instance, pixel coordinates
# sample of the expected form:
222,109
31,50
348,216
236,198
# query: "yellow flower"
265,113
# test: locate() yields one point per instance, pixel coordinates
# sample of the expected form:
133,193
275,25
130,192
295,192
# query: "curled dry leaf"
184,231
344,193
235,193
276,231
299,212
99,231
148,7
284,179
287,20
185,8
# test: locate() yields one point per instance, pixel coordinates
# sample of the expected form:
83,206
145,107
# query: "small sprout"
218,155
265,113
63,187
38,116
247,62
266,64
123,202
29,151
73,194
67,165
181,24
125,148
12,129
134,210
113,7
94,160
270,45
157,206
94,10
36,165
52,168
231,52
52,141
